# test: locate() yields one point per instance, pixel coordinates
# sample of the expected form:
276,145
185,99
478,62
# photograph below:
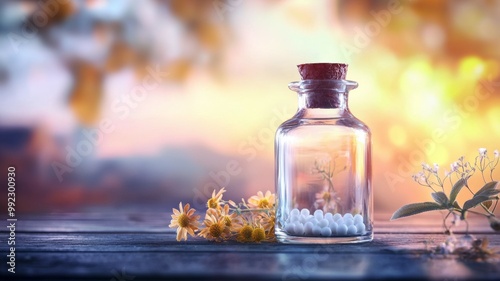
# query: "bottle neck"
323,98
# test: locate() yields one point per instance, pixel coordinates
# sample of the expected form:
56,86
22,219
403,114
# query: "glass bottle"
323,163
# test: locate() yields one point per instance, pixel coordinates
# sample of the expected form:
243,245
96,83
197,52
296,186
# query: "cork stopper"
316,71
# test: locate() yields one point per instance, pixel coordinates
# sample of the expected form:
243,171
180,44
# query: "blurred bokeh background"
125,103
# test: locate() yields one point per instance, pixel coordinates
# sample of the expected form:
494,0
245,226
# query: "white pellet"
298,228
305,212
314,221
295,212
294,218
318,214
289,228
323,223
326,231
329,216
304,219
342,229
348,216
348,222
333,227
308,228
351,230
337,216
358,218
330,220
316,230
360,228
340,221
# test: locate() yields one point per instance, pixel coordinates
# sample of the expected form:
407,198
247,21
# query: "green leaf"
416,208
488,190
487,187
489,193
456,189
440,198
476,200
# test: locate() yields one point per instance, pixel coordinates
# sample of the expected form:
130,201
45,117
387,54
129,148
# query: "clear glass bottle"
323,164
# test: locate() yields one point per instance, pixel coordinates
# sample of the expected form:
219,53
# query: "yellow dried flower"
185,221
215,228
227,217
258,234
245,233
268,221
223,214
214,201
262,201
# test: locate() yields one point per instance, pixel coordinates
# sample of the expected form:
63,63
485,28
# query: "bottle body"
323,169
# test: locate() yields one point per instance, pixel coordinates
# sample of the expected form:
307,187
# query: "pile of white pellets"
302,223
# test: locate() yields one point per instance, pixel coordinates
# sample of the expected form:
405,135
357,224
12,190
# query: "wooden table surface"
119,246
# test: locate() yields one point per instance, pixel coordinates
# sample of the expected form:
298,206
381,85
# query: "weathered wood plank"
100,246
153,242
279,266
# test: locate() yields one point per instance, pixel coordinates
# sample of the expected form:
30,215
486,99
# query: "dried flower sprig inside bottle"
251,221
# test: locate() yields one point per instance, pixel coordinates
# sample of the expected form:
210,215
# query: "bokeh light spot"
397,135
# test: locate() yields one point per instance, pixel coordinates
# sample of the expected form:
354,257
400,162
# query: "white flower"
426,167
482,152
436,168
496,153
453,167
419,177
446,173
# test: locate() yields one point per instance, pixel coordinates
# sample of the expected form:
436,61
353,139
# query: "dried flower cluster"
483,201
249,221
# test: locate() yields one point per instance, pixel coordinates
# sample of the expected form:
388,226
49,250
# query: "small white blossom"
496,153
426,167
436,168
453,167
419,177
482,152
446,173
